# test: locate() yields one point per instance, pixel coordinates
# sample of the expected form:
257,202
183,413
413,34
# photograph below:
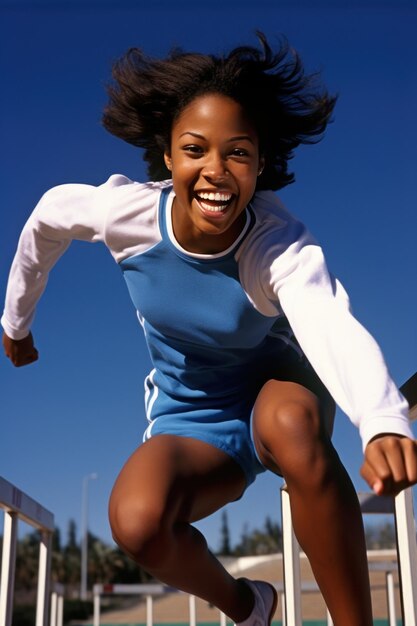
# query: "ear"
261,165
168,161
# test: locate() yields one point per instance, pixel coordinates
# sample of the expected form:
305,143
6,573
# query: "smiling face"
214,159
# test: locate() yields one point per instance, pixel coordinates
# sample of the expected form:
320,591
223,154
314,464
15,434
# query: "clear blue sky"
79,409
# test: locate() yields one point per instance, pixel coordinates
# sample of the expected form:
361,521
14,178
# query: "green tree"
72,545
106,564
27,562
267,540
56,540
380,537
243,547
71,558
225,549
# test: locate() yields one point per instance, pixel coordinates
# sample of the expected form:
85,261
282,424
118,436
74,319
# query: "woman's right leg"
291,430
167,483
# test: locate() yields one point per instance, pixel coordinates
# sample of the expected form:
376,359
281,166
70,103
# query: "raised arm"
343,353
347,359
63,213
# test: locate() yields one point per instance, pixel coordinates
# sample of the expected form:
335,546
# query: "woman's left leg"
168,483
291,434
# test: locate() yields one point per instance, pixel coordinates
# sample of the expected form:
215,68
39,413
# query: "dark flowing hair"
287,106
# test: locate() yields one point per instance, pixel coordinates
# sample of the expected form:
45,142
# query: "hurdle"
140,590
149,591
19,506
401,506
57,605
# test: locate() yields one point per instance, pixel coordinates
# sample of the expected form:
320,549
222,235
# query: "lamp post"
84,535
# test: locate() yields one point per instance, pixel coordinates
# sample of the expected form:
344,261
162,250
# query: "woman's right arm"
64,213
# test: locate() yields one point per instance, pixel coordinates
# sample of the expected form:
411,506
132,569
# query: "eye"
240,152
193,149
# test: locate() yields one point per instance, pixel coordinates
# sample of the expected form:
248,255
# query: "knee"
291,434
140,530
294,418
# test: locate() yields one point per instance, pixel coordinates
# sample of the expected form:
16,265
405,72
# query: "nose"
215,167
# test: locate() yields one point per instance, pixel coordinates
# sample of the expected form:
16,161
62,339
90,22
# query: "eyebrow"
237,138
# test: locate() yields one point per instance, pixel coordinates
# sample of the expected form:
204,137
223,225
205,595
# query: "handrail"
409,390
19,506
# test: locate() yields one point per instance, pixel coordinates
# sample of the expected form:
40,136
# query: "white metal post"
54,608
192,610
407,554
60,614
57,605
284,621
149,610
291,560
42,604
96,607
8,568
84,533
60,621
392,618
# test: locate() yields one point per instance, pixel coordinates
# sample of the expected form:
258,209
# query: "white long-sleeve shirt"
276,267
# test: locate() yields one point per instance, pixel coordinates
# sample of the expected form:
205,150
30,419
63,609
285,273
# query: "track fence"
17,507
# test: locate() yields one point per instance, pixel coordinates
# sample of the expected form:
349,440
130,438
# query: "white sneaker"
266,599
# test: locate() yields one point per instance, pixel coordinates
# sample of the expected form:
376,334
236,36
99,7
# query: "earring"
261,169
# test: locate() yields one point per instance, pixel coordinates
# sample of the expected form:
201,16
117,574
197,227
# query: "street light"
84,534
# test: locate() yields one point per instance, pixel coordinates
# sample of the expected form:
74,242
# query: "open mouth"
214,201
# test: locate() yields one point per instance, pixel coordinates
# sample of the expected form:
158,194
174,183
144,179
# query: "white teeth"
217,197
213,209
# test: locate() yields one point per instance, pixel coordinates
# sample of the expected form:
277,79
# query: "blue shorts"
228,426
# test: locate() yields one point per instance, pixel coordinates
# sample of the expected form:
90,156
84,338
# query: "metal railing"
19,506
148,591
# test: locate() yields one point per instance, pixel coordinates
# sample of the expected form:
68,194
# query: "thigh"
182,479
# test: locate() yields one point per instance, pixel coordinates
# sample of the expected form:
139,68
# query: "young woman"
249,334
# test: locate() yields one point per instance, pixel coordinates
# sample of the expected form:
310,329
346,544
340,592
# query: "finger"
378,470
25,359
409,447
31,358
393,452
393,461
370,475
401,457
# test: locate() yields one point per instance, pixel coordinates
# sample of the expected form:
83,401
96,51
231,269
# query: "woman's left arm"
344,354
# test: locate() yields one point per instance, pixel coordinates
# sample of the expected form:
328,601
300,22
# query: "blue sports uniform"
211,349
217,326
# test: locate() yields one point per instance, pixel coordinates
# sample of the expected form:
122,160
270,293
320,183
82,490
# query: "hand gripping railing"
402,508
18,506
